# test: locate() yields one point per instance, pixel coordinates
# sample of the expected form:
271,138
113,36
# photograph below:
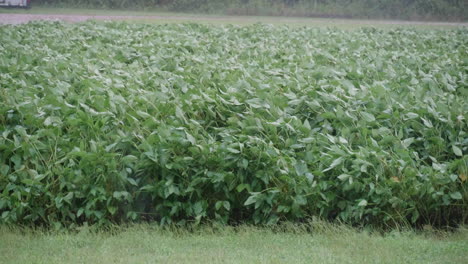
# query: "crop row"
115,122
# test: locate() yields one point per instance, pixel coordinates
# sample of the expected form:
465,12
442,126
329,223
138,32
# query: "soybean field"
114,122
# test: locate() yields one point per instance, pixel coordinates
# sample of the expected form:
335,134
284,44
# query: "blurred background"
430,10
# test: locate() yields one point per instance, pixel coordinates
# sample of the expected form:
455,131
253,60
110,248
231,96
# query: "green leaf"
218,205
4,169
235,151
198,208
301,168
132,181
283,208
251,200
368,117
457,151
412,115
110,147
456,195
242,187
407,142
453,177
143,114
80,212
427,122
362,203
227,205
112,209
5,214
344,177
191,138
300,200
335,163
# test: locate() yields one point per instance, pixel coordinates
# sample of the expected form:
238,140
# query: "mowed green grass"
162,17
149,244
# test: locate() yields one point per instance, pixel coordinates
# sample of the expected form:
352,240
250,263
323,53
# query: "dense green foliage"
401,9
114,122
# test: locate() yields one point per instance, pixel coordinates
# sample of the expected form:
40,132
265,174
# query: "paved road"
24,18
